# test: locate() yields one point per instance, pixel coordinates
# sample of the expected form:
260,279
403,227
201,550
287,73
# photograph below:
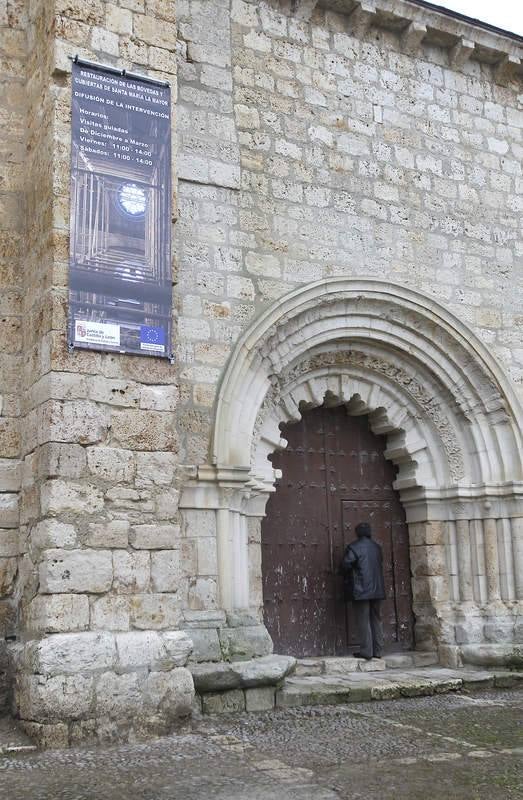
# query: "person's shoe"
360,655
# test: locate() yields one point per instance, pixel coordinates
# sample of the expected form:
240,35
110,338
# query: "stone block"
59,497
119,20
223,702
104,41
339,666
172,693
310,667
428,533
508,680
154,469
268,670
59,460
203,593
78,421
159,398
399,661
135,430
54,699
166,571
111,464
388,690
9,510
8,571
73,653
425,659
166,504
9,543
138,650
501,632
207,618
206,644
178,646
207,556
112,392
9,437
262,699
118,696
373,665
154,31
428,560
271,669
76,571
430,589
471,631
155,611
154,537
58,613
214,677
316,691
198,522
114,533
110,612
10,473
47,736
245,643
49,534
493,655
132,572
449,656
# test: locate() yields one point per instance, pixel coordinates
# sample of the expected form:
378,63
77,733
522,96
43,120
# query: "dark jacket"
362,567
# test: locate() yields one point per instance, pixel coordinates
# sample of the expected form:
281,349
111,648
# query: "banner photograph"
120,284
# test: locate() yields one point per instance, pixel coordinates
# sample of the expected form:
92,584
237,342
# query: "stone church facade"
348,190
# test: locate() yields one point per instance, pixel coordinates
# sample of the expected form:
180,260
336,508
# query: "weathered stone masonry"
348,196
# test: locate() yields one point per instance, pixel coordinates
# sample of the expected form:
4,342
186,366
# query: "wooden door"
335,475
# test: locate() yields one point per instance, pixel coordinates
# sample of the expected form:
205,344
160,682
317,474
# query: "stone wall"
315,144
311,145
12,171
104,574
358,158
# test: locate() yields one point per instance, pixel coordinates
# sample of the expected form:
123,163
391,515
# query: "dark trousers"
370,628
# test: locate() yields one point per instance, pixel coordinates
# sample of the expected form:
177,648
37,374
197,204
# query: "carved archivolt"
423,377
335,378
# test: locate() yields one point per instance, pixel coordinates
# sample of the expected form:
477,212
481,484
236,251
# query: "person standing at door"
363,569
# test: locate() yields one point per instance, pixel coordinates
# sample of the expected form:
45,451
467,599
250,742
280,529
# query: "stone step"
352,687
387,685
12,737
335,665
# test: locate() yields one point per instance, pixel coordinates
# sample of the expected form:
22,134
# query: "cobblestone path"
448,747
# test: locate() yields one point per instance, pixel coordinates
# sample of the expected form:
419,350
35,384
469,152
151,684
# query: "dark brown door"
335,475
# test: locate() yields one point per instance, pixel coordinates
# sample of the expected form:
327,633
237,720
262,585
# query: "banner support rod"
124,73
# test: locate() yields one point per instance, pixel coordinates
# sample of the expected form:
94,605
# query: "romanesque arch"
452,420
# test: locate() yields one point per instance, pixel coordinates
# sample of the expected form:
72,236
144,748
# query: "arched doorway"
334,475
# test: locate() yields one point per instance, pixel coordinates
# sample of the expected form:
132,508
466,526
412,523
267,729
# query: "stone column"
464,560
517,553
104,579
491,559
430,579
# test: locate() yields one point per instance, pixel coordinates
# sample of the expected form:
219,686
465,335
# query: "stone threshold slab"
388,685
357,687
342,665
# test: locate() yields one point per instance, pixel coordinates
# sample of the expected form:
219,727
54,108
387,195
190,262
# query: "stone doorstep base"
104,731
342,665
389,684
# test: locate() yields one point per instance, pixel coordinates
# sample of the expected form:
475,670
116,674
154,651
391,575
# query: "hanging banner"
120,285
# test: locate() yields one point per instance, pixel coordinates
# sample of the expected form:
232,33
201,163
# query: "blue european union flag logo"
152,338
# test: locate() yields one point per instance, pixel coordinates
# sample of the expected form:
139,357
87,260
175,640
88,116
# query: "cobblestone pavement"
452,747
